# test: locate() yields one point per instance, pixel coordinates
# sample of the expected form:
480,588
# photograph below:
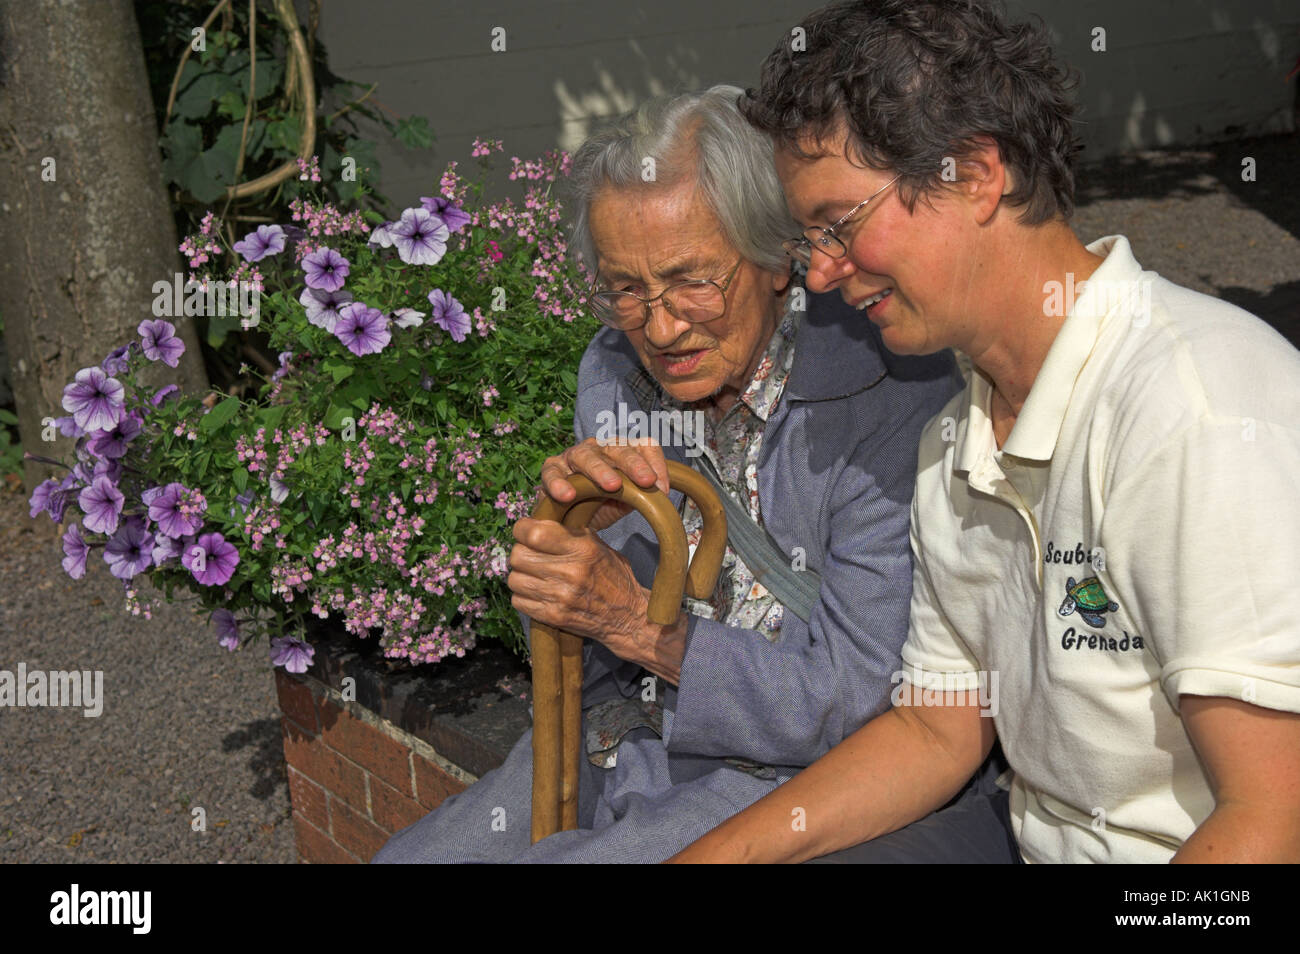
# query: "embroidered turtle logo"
1089,598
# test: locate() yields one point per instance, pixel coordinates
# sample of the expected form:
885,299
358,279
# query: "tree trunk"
85,224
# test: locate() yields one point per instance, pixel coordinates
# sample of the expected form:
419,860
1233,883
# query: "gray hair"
690,135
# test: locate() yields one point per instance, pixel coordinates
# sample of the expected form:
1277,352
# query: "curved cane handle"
670,576
706,564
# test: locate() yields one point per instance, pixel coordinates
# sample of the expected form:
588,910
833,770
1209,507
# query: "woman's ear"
781,281
984,178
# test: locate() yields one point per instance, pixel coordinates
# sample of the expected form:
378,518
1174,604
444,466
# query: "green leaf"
406,489
240,476
195,99
8,417
219,326
337,412
182,144
207,176
338,370
232,105
269,73
271,416
283,134
414,131
219,415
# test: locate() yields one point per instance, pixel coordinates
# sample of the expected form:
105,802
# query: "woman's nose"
824,271
663,328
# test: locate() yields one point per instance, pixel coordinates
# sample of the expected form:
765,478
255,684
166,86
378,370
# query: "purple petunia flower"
293,654
168,548
382,235
81,476
127,553
112,469
449,314
420,237
40,499
112,443
285,358
323,307
211,560
448,210
326,269
363,329
160,341
227,628
267,240
95,400
116,362
68,426
76,550
164,505
279,490
101,502
408,318
162,394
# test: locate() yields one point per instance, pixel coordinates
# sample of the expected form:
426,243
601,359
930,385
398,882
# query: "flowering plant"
427,366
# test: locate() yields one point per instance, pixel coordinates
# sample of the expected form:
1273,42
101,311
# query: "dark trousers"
973,828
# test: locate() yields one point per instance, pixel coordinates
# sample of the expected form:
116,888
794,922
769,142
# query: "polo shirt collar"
1038,425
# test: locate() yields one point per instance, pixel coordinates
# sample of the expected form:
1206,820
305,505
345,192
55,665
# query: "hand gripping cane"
557,655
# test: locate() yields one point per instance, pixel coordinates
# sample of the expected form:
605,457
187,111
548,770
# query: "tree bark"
85,224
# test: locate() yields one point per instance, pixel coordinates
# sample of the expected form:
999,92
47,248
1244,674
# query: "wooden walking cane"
557,655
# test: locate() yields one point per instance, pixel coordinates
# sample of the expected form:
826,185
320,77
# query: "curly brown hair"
916,82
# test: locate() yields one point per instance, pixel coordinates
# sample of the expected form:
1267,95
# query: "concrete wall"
1172,72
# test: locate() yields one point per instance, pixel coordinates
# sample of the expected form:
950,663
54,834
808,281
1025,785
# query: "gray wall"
1172,72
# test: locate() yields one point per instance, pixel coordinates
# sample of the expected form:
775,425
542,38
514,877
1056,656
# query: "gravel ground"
186,724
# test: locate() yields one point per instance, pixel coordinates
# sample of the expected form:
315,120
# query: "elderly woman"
806,422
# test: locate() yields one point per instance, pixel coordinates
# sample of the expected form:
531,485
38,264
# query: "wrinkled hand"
573,581
643,462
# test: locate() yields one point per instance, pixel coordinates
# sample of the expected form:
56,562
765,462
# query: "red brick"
433,784
366,746
308,754
317,848
308,800
354,832
296,700
392,810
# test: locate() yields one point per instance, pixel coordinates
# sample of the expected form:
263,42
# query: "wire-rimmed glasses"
825,240
696,300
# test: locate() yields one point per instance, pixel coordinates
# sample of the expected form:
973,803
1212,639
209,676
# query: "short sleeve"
933,645
1203,539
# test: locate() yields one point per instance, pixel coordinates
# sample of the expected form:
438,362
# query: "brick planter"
371,747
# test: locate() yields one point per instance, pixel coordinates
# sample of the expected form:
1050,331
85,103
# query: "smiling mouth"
875,299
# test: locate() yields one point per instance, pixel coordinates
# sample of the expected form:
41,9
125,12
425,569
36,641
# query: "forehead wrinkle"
674,265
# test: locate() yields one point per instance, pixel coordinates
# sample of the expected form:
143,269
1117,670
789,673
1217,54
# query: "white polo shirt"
1137,537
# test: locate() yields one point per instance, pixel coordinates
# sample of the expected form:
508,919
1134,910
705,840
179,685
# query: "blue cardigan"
835,477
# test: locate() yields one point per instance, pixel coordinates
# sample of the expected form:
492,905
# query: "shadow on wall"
1156,74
